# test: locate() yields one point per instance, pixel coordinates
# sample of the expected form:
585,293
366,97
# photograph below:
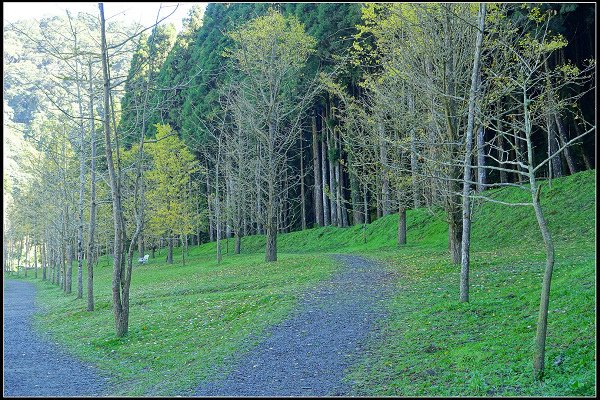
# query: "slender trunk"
466,211
81,180
413,158
35,265
555,165
481,171
69,281
503,174
317,174
91,259
218,206
562,136
338,186
326,210
44,259
385,180
121,313
354,195
272,206
332,189
542,324
366,211
586,159
302,195
26,255
210,210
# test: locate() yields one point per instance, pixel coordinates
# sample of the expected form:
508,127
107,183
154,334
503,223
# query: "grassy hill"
188,320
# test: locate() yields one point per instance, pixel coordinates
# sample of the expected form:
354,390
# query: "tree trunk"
562,136
542,324
385,181
413,158
26,255
466,208
170,252
317,174
401,224
69,281
218,207
354,196
302,195
338,187
481,171
455,235
503,174
209,208
91,259
120,308
44,260
81,179
273,205
586,159
326,211
332,189
35,265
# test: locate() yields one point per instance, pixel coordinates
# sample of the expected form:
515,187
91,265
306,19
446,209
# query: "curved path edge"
308,354
33,365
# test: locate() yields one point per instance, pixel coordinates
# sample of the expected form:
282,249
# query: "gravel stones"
34,366
307,354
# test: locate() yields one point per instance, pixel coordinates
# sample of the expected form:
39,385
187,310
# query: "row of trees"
250,121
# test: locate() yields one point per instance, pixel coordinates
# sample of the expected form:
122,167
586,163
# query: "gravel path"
33,365
306,355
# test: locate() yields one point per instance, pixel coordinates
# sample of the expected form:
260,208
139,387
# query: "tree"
519,79
172,165
269,52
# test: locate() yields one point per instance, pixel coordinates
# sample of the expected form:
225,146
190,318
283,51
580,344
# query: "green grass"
184,320
187,321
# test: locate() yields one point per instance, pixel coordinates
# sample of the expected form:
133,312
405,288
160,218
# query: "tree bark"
354,196
91,259
332,188
317,174
385,181
326,211
44,259
170,252
401,224
413,158
26,255
481,171
542,324
562,136
503,174
120,306
302,195
35,264
466,208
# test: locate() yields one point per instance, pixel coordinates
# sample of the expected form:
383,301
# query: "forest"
264,137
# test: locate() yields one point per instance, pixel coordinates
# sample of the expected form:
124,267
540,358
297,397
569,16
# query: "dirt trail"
33,365
307,354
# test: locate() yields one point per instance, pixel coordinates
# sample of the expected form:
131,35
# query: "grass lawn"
186,321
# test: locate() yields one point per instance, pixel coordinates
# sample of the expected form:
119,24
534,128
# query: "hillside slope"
187,319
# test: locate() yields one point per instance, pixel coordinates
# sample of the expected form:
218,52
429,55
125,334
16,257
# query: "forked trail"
308,353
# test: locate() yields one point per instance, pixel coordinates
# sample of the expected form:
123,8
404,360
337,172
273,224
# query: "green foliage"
168,182
283,40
